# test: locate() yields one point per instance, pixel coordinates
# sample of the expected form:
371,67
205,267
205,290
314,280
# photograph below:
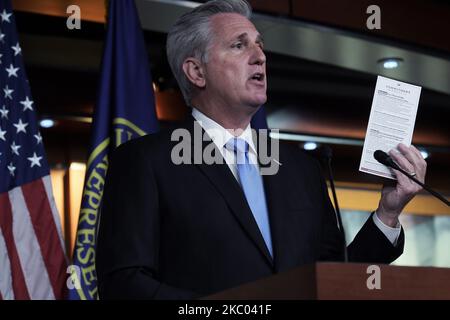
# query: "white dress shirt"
220,136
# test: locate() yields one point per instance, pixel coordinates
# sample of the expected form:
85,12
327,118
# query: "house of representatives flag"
32,258
125,109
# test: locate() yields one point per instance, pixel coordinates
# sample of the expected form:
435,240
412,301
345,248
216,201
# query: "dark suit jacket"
182,231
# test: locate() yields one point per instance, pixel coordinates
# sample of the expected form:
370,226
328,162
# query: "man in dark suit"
173,227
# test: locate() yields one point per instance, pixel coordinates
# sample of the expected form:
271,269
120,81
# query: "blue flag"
125,110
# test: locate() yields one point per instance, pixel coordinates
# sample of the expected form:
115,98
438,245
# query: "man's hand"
394,199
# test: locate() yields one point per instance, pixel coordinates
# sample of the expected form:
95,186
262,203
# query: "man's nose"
258,56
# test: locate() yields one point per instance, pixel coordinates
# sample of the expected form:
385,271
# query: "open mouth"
258,76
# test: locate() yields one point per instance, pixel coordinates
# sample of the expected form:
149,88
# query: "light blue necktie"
252,184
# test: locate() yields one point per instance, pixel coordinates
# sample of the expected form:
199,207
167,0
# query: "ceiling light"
390,63
47,123
310,146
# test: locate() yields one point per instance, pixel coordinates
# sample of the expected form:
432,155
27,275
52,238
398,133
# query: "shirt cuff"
391,233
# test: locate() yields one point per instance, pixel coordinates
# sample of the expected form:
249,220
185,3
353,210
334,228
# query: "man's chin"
258,101
261,102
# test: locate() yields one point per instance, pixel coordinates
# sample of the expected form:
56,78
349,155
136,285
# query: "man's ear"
194,71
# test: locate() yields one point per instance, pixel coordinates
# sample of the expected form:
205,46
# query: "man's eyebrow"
243,36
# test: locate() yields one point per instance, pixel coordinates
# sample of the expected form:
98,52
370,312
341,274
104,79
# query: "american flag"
32,258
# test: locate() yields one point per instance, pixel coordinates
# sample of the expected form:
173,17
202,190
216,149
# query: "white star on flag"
0,53
16,49
38,138
2,36
8,92
2,134
15,148
27,104
5,16
20,126
34,160
12,71
4,112
11,169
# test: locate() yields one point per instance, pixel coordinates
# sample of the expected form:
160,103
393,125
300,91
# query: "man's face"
235,71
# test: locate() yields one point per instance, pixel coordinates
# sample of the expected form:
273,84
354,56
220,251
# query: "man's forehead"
233,25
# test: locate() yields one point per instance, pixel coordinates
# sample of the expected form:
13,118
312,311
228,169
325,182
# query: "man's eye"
238,45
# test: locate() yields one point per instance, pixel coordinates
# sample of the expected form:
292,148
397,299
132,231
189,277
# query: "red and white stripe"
32,244
48,190
6,289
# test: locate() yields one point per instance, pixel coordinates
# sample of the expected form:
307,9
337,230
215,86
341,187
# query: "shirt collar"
218,134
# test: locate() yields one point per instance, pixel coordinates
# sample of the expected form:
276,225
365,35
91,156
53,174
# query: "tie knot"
237,145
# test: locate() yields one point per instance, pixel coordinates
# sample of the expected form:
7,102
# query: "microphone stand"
327,152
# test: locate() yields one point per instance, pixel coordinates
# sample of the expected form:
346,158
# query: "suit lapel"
225,183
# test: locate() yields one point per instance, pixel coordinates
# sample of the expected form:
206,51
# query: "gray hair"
191,36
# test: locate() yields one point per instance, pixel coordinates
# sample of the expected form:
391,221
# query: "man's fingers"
407,186
416,159
410,154
419,155
401,178
417,152
403,161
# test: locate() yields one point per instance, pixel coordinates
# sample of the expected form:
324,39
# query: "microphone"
383,158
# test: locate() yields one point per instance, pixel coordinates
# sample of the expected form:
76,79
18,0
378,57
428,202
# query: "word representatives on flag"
32,258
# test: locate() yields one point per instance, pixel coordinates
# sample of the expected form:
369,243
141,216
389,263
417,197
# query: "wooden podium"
339,281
